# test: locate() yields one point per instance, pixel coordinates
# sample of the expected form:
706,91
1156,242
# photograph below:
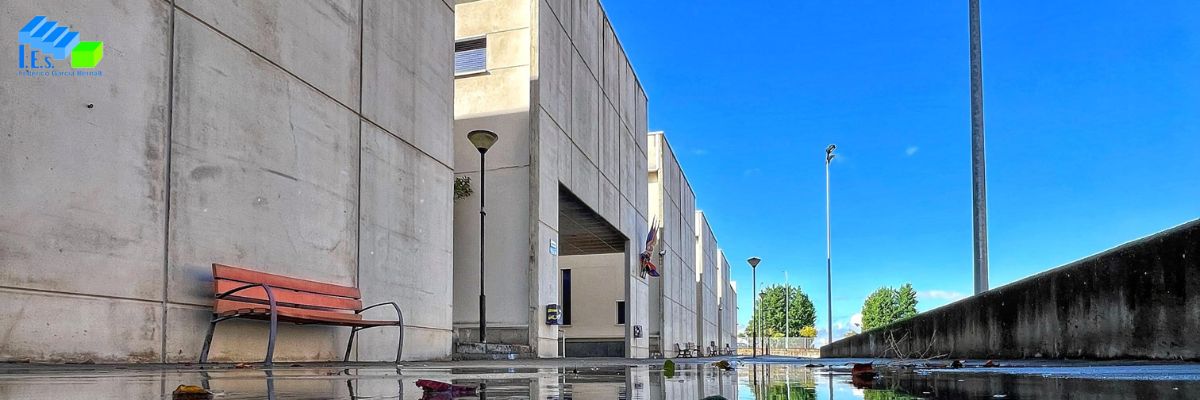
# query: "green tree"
887,305
777,313
907,297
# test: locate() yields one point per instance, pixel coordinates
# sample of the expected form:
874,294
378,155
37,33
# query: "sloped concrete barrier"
1140,300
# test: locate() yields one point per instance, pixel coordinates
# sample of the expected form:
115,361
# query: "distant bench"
244,293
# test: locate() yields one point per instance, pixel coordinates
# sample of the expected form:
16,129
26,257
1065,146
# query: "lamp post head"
753,261
482,139
829,153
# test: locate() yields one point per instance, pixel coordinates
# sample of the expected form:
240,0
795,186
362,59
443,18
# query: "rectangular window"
620,313
470,56
566,297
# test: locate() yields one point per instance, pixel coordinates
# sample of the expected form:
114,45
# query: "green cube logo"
87,54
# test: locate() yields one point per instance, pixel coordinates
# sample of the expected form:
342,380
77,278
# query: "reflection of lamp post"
753,261
828,255
483,140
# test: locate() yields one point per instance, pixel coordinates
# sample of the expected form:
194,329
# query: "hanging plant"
462,187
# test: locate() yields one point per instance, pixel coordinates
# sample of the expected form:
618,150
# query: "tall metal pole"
757,316
482,215
828,249
787,312
978,175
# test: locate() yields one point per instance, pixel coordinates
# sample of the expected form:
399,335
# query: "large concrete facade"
674,303
726,304
1136,301
310,139
571,114
707,281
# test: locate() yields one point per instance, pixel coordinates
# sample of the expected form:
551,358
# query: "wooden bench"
244,293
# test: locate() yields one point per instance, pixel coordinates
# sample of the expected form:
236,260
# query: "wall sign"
553,248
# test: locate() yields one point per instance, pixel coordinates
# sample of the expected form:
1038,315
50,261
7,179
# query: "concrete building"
726,305
310,139
566,178
319,141
707,321
673,300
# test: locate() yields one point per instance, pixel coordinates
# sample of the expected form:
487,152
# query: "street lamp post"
978,173
787,313
753,261
828,253
483,140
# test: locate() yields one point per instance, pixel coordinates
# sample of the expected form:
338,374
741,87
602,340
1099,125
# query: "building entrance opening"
592,282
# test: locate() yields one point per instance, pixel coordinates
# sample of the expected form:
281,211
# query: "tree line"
786,309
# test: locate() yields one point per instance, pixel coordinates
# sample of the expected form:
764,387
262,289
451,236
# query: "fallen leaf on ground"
188,392
723,364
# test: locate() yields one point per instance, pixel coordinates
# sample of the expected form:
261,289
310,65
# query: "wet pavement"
761,379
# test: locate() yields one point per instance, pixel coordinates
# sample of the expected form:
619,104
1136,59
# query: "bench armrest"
267,288
399,314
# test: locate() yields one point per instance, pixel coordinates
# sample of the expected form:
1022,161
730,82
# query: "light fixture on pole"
828,253
753,261
483,140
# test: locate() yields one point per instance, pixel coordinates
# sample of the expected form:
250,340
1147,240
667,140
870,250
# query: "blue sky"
1093,132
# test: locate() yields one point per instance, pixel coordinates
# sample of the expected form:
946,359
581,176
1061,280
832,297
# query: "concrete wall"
589,136
672,200
726,304
306,139
1138,300
706,283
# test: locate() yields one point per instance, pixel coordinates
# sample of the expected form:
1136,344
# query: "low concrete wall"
1138,301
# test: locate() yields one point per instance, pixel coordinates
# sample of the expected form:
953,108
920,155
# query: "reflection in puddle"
749,381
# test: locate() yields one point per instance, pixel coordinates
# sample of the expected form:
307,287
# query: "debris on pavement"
444,388
188,392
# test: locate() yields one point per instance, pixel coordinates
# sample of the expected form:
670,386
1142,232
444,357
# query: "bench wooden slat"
296,315
231,306
302,299
223,271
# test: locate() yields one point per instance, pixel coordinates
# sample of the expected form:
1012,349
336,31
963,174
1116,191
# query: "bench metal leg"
350,344
212,326
274,329
400,344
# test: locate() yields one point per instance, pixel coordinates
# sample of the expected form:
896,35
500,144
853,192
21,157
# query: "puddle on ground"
748,381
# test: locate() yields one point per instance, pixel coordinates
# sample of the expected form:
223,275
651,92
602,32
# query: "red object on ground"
443,387
865,371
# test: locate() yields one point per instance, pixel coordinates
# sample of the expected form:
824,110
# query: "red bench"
243,293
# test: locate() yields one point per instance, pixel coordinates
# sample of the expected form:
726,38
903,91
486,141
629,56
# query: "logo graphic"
42,41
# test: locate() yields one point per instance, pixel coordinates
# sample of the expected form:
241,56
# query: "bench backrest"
313,297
